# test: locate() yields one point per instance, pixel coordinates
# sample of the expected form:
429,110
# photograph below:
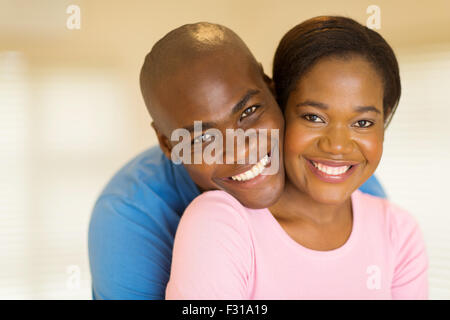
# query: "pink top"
223,250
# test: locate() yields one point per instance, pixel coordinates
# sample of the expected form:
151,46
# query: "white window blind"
15,262
414,168
64,132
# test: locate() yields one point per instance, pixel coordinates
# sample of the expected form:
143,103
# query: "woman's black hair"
328,36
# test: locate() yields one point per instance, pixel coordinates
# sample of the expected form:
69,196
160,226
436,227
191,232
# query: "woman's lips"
331,171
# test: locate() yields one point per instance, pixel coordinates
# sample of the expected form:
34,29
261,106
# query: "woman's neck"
295,205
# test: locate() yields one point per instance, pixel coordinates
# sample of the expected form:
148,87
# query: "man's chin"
259,199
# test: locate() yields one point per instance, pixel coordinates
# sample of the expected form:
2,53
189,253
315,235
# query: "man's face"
225,91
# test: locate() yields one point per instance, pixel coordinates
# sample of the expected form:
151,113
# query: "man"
198,72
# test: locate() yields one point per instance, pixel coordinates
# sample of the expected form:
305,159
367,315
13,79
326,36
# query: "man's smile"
254,171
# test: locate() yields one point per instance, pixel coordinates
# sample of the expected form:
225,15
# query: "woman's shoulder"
218,197
398,221
217,206
382,206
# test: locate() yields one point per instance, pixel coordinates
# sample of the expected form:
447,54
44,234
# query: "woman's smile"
331,171
334,128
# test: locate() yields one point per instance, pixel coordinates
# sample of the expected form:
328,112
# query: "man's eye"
206,137
313,118
363,124
248,111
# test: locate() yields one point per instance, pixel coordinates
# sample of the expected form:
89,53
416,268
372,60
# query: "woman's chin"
330,196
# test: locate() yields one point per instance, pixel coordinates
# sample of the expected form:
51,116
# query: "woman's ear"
164,143
267,80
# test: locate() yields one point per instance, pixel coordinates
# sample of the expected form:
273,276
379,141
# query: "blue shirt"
133,225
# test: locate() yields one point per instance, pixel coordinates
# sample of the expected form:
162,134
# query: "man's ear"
267,79
164,143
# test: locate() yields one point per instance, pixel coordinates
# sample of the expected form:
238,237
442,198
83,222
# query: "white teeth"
254,171
335,171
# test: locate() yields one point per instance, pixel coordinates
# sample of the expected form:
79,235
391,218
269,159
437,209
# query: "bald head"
204,72
182,48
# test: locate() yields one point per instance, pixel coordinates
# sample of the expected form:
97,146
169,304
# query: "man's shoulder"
149,183
149,167
132,227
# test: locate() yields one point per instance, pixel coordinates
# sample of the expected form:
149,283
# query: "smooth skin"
334,114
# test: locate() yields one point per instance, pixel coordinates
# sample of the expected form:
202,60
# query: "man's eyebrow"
208,125
250,93
311,103
362,109
205,126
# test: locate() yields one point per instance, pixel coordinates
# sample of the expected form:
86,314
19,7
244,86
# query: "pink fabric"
223,250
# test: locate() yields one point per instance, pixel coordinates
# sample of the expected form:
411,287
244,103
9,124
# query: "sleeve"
212,256
373,187
410,281
129,252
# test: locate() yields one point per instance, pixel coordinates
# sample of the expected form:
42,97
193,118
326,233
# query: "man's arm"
133,225
129,252
373,187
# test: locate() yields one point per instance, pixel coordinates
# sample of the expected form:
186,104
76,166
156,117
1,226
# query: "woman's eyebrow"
320,105
362,109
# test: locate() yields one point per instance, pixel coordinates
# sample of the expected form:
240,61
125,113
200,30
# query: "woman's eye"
248,112
313,118
363,123
206,137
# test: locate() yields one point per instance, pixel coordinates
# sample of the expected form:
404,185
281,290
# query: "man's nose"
336,140
243,151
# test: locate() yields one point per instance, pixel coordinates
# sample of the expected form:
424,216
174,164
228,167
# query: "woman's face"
334,128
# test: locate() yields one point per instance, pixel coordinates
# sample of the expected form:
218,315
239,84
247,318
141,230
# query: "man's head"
205,72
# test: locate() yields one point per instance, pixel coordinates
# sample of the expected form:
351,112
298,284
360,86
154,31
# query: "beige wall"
71,114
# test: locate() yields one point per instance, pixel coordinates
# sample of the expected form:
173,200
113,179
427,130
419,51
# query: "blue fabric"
372,186
133,225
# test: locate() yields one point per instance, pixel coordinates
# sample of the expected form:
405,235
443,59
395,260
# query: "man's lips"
250,178
251,174
247,172
254,171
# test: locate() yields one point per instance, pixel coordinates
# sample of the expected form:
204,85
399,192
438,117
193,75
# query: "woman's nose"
336,140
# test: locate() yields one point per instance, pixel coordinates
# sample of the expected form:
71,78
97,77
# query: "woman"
338,85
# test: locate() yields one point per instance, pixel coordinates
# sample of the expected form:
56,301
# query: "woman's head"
338,84
326,36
